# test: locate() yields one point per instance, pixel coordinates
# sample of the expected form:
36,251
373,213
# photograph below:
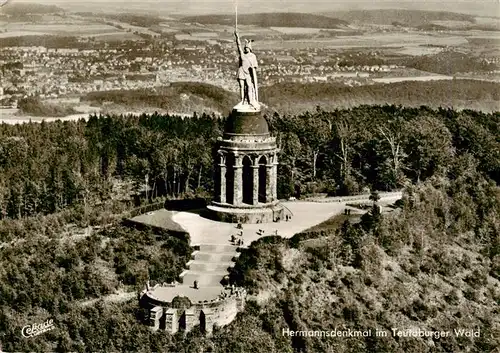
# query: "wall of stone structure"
263,216
219,312
232,183
225,311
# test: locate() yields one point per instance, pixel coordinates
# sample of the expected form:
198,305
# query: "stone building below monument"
246,170
169,311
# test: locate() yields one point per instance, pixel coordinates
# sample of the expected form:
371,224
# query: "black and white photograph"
233,176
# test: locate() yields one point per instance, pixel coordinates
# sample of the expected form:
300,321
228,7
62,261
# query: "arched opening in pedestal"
262,179
229,178
247,180
203,322
182,322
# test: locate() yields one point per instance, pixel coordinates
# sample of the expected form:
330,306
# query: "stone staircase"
200,266
205,279
209,265
214,257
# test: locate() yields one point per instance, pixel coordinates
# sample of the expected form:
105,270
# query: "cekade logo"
37,329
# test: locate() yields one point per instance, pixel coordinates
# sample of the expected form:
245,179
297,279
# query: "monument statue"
247,74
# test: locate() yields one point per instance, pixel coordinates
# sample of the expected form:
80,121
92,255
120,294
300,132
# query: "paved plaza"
216,253
305,215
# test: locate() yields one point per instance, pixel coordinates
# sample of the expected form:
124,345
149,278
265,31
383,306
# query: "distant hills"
23,9
294,98
179,97
411,18
449,63
272,20
135,19
285,98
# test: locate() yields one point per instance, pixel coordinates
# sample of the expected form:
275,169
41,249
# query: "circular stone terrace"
216,254
162,295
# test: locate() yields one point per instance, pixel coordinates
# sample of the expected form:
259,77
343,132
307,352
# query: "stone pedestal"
190,319
208,325
171,321
246,144
155,315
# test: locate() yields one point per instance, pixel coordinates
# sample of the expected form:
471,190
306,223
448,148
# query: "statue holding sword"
247,72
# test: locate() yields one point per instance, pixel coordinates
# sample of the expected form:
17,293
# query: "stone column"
255,185
269,181
275,178
222,180
238,181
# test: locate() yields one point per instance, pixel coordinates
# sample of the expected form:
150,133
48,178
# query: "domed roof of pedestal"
246,123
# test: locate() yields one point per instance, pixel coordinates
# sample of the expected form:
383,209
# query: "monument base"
248,215
247,108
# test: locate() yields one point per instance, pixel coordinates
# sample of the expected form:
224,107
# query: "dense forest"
48,167
51,272
411,18
20,9
450,63
434,262
35,107
296,98
285,19
179,97
134,19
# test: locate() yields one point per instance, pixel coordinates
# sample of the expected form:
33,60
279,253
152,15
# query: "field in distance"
335,60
